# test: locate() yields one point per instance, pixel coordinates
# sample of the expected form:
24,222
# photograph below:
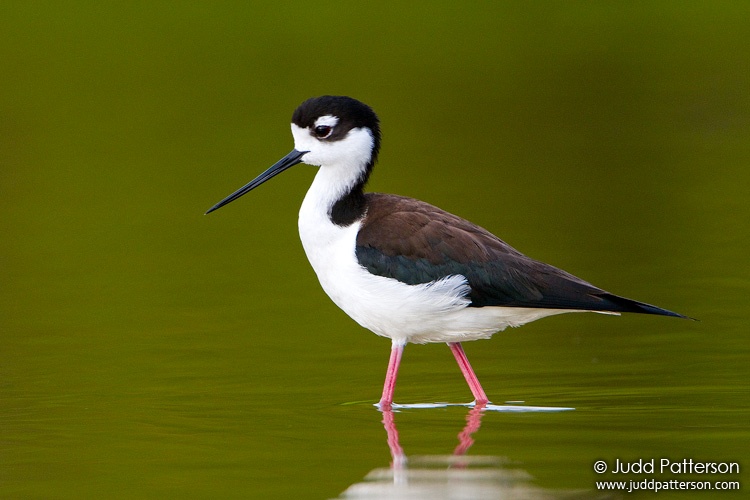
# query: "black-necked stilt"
403,268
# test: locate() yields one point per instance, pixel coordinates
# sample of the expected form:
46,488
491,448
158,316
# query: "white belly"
431,312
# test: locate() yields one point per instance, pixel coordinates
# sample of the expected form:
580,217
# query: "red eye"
323,131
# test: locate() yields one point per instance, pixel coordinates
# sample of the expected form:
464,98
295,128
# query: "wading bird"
405,269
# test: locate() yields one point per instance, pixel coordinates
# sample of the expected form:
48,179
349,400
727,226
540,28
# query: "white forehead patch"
353,150
327,121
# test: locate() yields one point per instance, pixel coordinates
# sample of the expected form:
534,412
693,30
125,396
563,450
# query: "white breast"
431,312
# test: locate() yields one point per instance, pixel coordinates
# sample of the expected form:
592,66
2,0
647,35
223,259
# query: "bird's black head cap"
350,112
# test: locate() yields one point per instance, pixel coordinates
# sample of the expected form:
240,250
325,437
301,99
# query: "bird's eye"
322,131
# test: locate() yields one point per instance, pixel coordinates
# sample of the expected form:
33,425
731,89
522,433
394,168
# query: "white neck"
342,164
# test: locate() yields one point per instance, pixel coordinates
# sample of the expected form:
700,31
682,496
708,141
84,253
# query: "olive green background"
149,351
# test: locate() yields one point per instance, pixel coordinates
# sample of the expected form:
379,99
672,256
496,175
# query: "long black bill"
290,160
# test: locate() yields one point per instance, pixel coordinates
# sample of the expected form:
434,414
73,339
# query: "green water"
148,351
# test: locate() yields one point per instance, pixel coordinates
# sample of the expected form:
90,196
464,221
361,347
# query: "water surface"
149,351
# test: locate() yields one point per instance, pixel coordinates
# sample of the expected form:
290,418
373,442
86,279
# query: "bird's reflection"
473,422
457,475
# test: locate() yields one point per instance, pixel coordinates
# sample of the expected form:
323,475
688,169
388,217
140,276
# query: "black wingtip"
621,304
649,309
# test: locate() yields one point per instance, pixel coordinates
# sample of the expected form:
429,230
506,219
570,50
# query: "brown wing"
415,242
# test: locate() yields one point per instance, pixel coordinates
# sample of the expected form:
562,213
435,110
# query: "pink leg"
390,377
480,397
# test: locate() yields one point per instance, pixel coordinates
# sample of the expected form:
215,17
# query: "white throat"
342,164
